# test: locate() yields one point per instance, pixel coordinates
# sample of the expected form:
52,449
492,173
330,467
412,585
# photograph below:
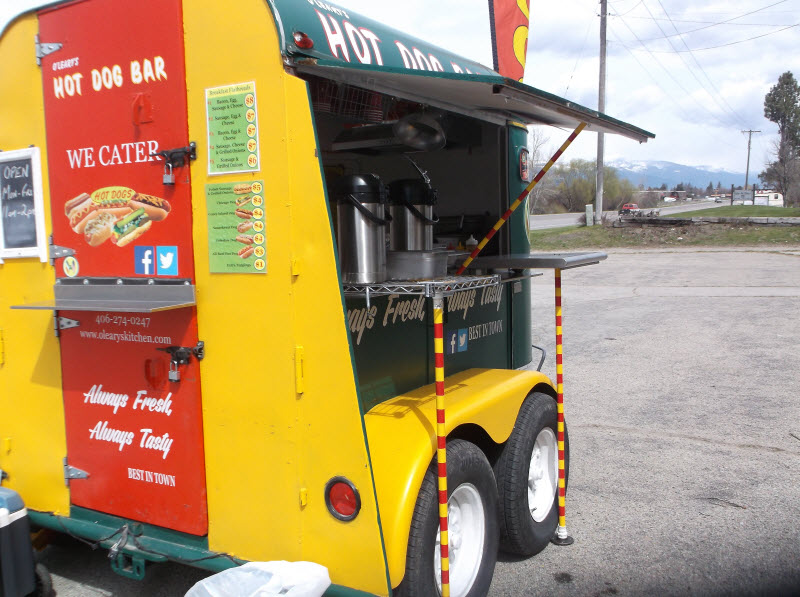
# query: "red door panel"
115,94
137,434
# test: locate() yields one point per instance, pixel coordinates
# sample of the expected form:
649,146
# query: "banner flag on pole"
509,21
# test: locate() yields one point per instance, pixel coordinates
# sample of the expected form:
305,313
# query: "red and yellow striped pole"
562,537
518,201
441,438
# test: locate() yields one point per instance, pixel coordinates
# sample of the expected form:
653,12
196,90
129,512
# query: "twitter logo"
463,340
167,258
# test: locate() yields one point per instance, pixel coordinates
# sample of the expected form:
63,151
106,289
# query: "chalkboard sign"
21,204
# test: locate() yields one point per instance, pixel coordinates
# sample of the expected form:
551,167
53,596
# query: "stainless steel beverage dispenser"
411,208
361,222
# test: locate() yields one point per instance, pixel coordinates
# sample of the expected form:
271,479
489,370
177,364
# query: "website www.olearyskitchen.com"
125,337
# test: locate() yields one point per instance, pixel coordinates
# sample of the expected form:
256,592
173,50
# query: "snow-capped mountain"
654,174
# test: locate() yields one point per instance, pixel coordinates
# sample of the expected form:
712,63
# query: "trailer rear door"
115,96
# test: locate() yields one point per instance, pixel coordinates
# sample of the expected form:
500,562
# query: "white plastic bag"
265,579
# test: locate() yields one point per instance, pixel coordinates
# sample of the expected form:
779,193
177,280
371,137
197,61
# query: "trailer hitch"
181,356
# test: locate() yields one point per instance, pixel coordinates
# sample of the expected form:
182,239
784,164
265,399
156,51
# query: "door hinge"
64,323
70,473
299,381
57,252
43,49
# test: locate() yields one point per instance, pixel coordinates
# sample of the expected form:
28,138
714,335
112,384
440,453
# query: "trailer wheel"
527,478
472,521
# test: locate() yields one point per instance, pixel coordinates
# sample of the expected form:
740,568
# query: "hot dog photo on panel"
119,214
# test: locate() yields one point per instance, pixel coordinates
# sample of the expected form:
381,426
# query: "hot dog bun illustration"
156,208
242,188
103,214
130,227
74,202
100,228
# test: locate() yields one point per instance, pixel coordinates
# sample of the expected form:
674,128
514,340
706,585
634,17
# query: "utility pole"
601,107
747,172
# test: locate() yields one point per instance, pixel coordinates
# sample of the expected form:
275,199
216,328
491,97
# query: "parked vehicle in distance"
629,209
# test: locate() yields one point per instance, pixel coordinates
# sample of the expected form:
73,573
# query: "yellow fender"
402,440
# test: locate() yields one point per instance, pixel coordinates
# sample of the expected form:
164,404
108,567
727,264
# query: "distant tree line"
571,187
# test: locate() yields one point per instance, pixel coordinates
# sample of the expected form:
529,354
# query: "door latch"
181,356
175,158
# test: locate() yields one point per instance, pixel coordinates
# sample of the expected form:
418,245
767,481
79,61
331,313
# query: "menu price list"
236,228
232,129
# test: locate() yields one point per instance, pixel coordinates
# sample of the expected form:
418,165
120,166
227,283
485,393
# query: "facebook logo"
463,338
451,343
144,259
167,261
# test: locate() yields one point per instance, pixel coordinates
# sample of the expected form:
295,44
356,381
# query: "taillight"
342,499
303,41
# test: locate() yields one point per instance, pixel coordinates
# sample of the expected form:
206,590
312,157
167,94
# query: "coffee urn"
411,208
361,226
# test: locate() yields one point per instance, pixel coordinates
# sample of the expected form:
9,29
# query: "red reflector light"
303,41
342,499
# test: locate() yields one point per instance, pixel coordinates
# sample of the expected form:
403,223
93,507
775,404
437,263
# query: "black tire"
467,469
520,532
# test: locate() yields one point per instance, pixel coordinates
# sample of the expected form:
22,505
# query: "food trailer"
230,320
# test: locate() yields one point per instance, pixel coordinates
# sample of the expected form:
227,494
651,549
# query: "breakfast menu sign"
111,107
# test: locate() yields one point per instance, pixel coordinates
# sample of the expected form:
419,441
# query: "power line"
688,67
674,80
679,33
580,57
733,43
705,74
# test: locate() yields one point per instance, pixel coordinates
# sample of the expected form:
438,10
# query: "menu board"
231,112
237,232
22,231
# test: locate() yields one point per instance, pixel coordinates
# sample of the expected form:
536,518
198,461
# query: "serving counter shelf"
538,260
123,295
427,288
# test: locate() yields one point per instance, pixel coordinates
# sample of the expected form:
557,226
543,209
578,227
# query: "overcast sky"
696,102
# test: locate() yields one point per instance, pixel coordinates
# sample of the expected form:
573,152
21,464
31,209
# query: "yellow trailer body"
187,355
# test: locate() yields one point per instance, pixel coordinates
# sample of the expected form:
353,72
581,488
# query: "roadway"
544,221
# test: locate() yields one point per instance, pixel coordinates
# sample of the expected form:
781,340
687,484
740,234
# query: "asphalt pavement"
681,379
